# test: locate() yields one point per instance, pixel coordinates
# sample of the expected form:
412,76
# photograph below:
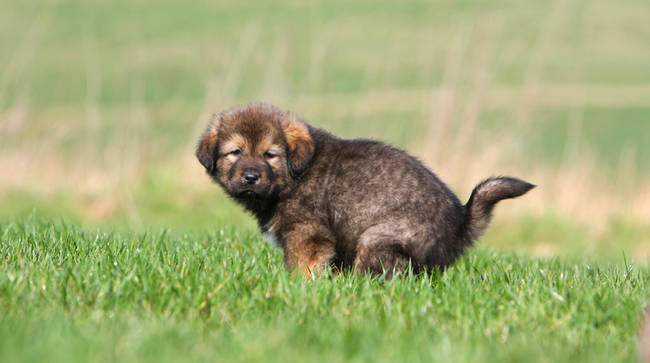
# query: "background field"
102,102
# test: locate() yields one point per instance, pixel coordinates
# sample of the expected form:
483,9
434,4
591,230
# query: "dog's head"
255,151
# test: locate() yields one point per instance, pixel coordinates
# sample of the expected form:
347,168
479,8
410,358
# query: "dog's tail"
485,195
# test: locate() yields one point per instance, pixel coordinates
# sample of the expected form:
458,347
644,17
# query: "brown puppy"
330,202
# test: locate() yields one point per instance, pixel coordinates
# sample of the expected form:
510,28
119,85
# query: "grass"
97,98
103,72
101,104
69,294
597,133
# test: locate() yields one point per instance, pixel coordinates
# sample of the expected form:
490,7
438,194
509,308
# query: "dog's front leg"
308,249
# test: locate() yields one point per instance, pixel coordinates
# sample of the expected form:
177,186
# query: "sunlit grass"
68,294
101,105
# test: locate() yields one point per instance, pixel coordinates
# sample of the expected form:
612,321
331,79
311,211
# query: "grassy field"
115,245
68,294
101,104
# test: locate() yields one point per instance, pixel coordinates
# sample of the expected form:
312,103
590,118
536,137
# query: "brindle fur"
331,202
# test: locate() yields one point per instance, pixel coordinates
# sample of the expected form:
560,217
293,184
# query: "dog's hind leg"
308,249
379,252
381,258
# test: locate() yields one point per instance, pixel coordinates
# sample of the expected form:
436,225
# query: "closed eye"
235,152
269,155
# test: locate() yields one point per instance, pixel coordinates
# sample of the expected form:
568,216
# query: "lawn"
69,294
114,244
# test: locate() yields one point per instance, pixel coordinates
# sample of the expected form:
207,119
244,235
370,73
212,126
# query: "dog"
333,203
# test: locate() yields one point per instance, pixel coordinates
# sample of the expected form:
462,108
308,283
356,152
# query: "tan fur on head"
208,144
301,145
256,150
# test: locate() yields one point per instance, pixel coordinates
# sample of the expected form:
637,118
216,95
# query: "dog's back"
375,197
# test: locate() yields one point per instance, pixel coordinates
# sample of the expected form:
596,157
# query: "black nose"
251,177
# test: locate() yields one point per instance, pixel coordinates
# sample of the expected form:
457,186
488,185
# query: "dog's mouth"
247,193
251,192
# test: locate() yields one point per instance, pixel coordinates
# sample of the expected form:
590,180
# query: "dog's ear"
301,145
207,149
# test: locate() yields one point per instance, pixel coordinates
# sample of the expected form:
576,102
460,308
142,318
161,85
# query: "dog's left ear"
207,149
301,145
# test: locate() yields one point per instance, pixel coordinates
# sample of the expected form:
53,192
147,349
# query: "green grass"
119,91
62,59
101,104
608,133
69,294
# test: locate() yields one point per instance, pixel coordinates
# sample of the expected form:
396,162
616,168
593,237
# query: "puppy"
329,202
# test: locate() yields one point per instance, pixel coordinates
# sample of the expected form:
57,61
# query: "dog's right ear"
207,150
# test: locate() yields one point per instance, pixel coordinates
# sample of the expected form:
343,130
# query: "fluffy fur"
329,202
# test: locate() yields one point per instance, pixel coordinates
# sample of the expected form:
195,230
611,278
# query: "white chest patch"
271,239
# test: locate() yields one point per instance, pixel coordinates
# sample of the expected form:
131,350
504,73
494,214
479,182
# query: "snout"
250,176
250,180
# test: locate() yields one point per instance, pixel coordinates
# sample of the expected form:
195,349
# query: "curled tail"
485,195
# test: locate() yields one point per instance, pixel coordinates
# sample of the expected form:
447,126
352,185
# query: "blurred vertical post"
644,343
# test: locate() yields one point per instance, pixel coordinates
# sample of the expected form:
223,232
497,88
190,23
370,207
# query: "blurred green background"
102,103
